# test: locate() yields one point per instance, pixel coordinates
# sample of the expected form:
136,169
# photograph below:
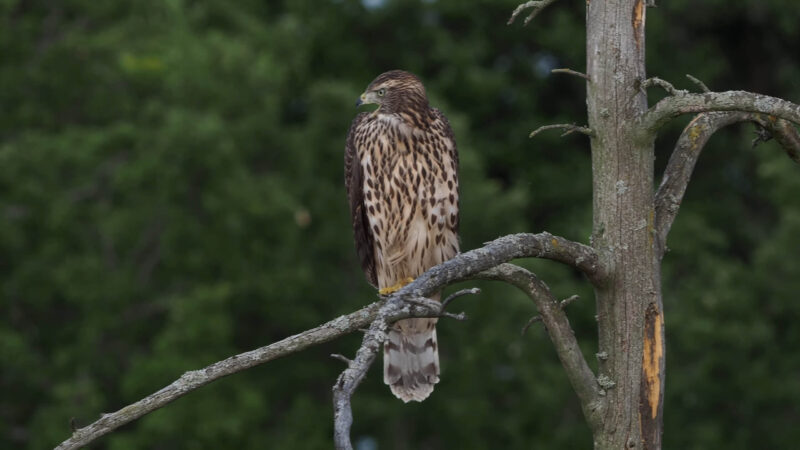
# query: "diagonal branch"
682,102
687,150
558,328
192,380
408,302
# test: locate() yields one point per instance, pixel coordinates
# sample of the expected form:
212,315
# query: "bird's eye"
381,92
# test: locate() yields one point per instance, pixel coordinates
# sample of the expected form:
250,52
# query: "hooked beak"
360,101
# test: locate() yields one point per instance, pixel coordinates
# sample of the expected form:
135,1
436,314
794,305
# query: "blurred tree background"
171,193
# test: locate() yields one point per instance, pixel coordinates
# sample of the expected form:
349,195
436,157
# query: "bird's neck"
403,123
406,118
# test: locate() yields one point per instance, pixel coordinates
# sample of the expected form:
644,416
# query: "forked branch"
356,371
463,267
687,151
408,302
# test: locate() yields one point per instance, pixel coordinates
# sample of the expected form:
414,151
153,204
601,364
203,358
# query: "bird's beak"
360,101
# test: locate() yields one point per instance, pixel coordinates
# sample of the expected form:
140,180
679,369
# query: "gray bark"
630,223
623,231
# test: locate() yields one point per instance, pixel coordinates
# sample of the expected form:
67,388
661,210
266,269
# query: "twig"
568,301
572,72
537,6
762,135
687,150
342,358
571,128
436,308
457,294
699,83
666,85
533,320
563,304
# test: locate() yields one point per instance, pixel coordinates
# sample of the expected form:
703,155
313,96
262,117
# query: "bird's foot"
396,287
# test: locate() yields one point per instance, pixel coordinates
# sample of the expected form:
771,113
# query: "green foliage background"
171,194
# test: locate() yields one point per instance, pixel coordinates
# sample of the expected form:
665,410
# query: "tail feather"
411,359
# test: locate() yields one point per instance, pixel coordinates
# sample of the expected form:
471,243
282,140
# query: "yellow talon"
396,287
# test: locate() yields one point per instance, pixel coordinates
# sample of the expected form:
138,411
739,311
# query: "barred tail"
411,359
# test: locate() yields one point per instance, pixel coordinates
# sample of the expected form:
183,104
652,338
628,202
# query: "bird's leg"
396,287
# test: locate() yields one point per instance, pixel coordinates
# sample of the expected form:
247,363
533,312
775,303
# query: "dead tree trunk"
629,303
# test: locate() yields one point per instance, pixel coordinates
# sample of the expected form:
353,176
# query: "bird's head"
394,92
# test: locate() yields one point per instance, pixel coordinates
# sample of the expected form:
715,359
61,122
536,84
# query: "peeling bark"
652,392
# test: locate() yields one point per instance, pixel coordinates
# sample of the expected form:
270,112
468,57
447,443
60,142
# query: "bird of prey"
401,177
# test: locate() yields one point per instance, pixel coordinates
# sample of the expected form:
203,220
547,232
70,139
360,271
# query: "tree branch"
192,380
395,307
523,245
682,102
687,150
407,302
462,267
558,328
537,6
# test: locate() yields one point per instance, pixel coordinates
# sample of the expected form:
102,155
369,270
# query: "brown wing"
353,183
448,132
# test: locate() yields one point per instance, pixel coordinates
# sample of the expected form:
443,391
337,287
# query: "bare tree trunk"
623,231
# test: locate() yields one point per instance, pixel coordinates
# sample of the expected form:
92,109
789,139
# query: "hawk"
401,177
